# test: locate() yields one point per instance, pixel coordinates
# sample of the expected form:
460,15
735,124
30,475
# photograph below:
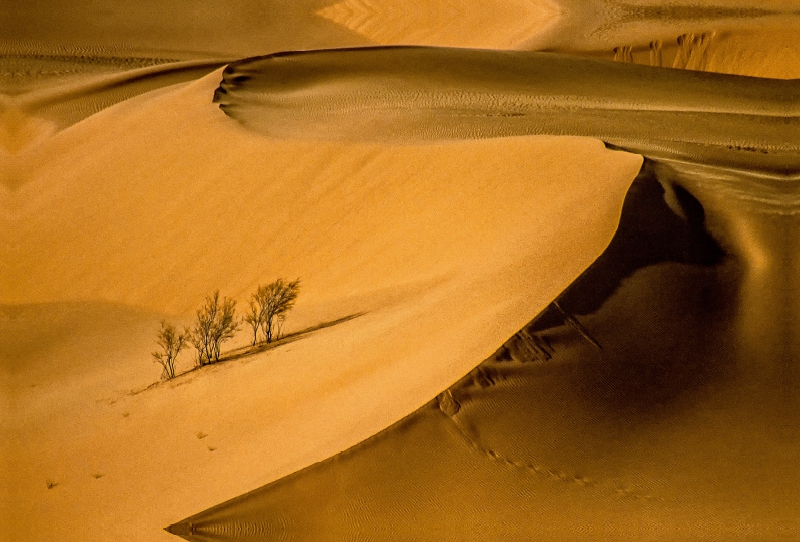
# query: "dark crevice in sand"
649,232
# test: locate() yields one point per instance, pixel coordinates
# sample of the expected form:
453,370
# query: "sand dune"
640,426
167,29
28,119
694,35
631,423
480,24
418,94
152,235
126,198
596,25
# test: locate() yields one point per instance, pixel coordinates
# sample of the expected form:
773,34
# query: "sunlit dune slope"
179,195
665,411
142,209
27,119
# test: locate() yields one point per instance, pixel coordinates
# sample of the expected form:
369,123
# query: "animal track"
450,407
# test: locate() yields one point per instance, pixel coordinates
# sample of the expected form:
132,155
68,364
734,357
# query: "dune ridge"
62,105
416,94
633,422
122,205
408,235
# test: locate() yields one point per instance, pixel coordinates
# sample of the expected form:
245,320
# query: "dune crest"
455,23
414,94
446,251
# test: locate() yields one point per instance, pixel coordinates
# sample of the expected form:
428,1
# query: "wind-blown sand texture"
462,240
417,94
640,431
655,399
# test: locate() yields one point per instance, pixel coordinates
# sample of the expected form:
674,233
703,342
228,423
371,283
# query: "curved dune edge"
449,249
665,411
428,94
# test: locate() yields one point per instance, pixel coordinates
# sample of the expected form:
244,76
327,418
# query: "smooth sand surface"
121,205
445,268
664,411
476,23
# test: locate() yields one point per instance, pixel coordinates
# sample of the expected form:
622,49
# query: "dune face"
410,95
635,420
150,204
555,25
640,357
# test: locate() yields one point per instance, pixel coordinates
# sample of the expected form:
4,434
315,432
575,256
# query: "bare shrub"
269,306
216,323
170,342
253,317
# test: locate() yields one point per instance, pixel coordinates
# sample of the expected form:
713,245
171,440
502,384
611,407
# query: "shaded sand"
412,94
743,52
168,29
640,31
598,25
28,119
149,29
668,424
448,249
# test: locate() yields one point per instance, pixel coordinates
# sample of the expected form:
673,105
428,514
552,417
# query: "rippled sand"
655,399
408,95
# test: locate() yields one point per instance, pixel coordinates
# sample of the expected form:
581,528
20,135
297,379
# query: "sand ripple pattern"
488,23
224,526
418,94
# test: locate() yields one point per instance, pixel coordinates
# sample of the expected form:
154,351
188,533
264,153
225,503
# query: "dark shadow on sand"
635,414
247,351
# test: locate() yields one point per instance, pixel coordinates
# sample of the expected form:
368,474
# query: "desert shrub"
269,306
170,343
253,316
215,324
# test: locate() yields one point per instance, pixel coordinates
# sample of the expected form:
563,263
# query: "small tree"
253,317
216,323
171,343
268,307
276,300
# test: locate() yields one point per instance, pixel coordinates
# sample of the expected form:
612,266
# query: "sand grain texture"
126,196
444,268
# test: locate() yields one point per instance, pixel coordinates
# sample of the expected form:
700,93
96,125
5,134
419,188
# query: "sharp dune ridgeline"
615,427
182,201
545,296
409,95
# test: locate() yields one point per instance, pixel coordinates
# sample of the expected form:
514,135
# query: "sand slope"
666,411
447,249
413,94
481,24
